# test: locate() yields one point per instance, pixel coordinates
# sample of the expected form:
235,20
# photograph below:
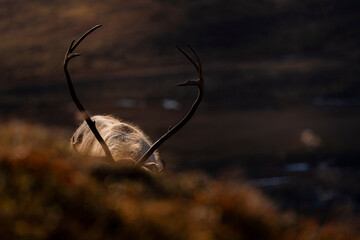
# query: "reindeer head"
123,141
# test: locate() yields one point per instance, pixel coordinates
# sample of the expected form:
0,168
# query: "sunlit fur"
125,141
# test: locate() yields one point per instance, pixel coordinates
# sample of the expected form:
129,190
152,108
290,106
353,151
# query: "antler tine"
200,82
68,56
74,44
198,59
85,35
188,57
172,130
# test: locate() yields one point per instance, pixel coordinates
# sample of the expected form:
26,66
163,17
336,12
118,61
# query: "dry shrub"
48,194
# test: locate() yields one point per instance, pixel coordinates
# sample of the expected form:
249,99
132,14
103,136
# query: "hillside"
272,37
47,193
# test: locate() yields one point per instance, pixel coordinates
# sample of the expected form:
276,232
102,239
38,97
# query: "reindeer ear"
152,166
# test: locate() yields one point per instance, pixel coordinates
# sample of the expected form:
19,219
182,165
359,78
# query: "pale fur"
125,141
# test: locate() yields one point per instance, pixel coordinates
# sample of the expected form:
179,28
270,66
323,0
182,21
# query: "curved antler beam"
70,54
199,83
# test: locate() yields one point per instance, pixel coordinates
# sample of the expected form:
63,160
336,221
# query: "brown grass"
46,193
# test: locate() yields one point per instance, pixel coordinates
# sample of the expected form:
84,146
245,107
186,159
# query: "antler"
199,83
68,56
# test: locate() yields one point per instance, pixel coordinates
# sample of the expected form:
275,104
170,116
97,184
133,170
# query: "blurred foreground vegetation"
47,193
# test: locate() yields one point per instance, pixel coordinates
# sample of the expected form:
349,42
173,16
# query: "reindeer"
119,141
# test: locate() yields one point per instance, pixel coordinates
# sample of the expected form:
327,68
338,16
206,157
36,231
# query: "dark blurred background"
282,100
